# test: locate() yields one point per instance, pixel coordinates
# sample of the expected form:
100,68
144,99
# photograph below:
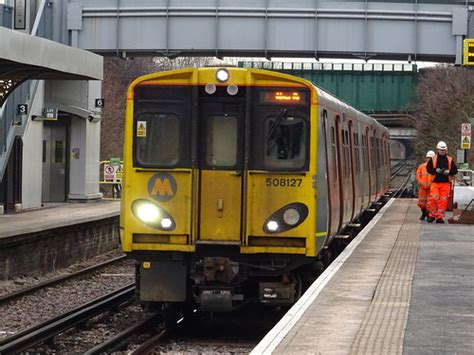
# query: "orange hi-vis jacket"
422,177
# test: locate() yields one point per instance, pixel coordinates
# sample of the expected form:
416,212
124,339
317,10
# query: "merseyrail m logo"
162,187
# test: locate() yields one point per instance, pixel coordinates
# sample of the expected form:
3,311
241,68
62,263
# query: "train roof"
328,100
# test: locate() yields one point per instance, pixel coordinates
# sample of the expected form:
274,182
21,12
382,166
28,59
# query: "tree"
445,100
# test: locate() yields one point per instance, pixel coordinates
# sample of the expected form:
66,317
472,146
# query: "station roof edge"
49,59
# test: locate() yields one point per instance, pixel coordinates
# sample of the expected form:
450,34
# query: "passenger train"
240,184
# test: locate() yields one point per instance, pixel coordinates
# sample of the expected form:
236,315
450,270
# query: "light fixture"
272,226
166,223
291,216
232,89
210,88
147,212
222,75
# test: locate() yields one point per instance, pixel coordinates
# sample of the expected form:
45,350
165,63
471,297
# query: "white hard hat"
441,145
430,154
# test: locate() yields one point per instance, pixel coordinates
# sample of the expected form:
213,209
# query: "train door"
370,166
332,174
54,162
339,170
220,143
352,167
346,170
374,153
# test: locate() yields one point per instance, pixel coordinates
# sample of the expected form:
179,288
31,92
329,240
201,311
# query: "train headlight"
272,226
291,216
147,212
166,223
285,218
222,75
153,215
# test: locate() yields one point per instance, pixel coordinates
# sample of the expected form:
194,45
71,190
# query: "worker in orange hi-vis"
424,182
443,168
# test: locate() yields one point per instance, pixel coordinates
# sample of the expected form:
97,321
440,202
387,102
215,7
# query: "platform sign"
465,136
468,52
141,128
113,173
466,142
50,114
22,109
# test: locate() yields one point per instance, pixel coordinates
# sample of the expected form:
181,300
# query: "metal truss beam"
269,28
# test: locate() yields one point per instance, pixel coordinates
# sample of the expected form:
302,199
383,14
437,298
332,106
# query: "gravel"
46,303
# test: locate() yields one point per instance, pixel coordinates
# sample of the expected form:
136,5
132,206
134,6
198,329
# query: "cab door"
221,169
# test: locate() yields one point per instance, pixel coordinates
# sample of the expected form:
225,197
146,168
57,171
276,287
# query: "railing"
24,94
330,66
464,177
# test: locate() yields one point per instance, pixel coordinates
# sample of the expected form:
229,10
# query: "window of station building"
285,142
157,139
59,152
44,150
221,144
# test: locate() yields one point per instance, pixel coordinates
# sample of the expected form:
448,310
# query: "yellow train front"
225,201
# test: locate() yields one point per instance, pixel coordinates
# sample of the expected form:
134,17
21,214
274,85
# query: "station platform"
403,286
56,215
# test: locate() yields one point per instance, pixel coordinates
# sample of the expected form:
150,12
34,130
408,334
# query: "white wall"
78,98
84,169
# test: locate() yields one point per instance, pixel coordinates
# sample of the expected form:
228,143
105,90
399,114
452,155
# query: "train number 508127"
282,182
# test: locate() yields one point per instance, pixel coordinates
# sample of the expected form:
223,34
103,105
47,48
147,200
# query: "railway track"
57,325
31,289
120,340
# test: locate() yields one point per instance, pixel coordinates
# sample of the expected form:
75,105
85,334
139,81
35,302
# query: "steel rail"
52,282
46,330
397,169
150,344
119,340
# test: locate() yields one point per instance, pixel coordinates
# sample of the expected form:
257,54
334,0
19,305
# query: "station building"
50,101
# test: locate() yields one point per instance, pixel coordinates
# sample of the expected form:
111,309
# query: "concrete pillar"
84,160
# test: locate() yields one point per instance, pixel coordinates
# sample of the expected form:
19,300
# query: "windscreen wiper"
277,121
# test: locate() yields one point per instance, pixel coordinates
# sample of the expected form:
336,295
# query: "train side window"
157,139
221,144
356,151
285,142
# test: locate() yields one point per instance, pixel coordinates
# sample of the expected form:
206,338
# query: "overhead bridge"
418,29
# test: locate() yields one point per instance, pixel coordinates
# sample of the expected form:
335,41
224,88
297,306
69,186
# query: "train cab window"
285,142
157,139
221,144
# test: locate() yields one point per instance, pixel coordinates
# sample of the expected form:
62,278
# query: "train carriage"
238,181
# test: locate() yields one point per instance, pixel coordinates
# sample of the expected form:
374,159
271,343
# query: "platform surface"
56,215
404,287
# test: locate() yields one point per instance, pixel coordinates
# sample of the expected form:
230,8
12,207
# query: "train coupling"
277,293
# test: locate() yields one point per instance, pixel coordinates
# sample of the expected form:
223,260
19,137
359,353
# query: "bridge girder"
268,28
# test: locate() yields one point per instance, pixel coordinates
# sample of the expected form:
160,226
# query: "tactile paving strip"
383,328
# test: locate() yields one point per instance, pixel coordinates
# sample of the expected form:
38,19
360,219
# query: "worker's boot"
440,220
424,213
430,219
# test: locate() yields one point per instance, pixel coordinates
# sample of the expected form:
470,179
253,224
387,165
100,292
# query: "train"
240,185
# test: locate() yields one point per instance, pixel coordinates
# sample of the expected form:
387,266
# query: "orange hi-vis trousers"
423,195
438,201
